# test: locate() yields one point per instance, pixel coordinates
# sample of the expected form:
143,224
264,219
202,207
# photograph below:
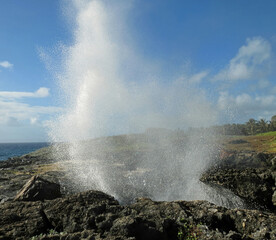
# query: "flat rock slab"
38,188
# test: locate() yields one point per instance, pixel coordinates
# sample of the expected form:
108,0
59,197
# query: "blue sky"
225,48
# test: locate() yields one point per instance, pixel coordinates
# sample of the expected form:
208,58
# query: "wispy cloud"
6,64
15,113
251,62
12,112
192,78
198,77
40,93
247,106
12,122
33,120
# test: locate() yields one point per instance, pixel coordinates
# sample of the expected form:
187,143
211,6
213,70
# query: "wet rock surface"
95,215
256,185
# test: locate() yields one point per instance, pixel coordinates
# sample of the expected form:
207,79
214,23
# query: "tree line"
251,127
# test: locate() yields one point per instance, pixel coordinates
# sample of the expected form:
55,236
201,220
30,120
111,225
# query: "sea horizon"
16,149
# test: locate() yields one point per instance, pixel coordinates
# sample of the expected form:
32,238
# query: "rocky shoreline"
96,215
250,175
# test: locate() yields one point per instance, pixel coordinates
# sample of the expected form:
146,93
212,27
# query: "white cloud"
14,111
243,100
33,120
6,64
252,61
40,93
191,79
246,106
198,77
264,83
13,122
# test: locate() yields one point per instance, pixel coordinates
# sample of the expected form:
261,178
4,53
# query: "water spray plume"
100,100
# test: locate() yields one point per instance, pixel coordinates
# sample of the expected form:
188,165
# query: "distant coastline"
8,150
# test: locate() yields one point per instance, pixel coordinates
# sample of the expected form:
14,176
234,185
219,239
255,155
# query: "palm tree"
251,126
263,125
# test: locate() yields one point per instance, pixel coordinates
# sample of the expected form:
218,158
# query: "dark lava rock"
238,141
274,198
38,188
81,211
24,160
22,220
96,215
3,198
255,186
250,175
244,159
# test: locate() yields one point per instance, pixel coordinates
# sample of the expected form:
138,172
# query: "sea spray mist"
108,88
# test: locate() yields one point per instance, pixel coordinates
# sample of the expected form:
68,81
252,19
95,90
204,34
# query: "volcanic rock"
22,220
245,159
256,186
38,188
96,215
274,198
81,211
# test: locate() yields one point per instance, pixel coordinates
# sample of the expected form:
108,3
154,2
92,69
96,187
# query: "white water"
108,88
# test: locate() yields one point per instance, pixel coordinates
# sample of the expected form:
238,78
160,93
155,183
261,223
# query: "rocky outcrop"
245,159
15,172
22,220
256,186
250,175
38,188
95,215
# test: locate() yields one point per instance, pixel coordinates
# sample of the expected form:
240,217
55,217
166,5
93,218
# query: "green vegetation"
252,127
188,231
264,142
267,134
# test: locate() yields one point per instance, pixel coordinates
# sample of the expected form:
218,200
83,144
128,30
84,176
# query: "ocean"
17,149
